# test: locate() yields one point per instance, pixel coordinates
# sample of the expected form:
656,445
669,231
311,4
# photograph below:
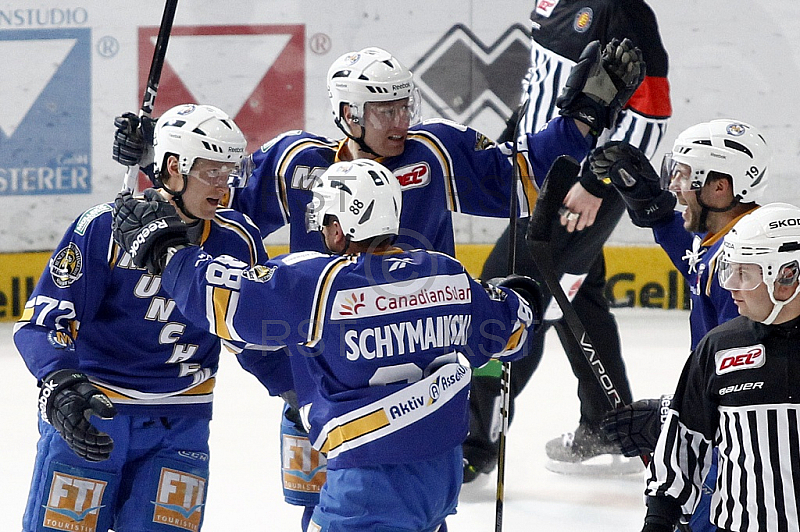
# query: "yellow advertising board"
638,276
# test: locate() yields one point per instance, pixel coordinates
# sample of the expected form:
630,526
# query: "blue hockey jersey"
94,311
695,257
387,340
445,167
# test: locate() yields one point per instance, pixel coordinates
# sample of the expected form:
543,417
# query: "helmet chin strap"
777,307
177,197
358,140
705,209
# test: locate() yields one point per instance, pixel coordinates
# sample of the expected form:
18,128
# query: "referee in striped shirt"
740,392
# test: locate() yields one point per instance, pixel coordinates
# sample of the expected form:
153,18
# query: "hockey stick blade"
153,78
564,171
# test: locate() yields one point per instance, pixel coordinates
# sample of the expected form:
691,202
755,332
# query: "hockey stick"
149,98
560,178
505,378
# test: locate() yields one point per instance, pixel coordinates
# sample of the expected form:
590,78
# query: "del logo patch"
74,503
740,358
180,499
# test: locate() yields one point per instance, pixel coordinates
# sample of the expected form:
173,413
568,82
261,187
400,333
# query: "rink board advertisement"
637,276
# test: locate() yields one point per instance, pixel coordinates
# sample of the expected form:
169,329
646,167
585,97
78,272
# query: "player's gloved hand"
630,172
601,82
133,141
657,527
146,227
530,291
67,400
635,427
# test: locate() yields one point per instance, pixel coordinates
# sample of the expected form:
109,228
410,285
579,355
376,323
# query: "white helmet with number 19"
363,195
192,131
725,146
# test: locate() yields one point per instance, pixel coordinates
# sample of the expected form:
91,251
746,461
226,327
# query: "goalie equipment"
601,83
67,400
635,427
147,228
630,172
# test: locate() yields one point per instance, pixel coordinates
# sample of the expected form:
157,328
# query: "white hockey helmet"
192,131
369,75
768,237
726,146
363,194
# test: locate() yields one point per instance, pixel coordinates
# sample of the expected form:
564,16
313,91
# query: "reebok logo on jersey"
730,360
413,176
73,503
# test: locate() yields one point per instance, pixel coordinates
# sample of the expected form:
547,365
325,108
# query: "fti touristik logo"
180,499
73,502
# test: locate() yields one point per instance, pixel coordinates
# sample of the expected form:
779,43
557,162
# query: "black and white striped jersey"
739,392
562,28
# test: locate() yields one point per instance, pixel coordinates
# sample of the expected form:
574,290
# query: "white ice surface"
245,493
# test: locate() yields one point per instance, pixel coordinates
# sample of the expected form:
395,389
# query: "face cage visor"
739,275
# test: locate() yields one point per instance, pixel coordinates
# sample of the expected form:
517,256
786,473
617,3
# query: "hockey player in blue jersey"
388,337
718,171
442,167
126,380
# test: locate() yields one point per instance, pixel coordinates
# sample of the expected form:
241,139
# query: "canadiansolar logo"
45,118
463,78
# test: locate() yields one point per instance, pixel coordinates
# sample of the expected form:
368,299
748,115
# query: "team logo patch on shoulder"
259,273
583,20
88,216
67,266
483,142
61,340
749,357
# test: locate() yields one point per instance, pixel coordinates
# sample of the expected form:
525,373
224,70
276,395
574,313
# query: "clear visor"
216,176
240,175
677,177
739,276
399,113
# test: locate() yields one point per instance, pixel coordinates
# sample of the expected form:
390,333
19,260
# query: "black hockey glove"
630,172
601,83
146,228
67,400
530,291
635,427
133,142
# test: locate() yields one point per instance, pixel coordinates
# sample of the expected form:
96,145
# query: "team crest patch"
73,502
583,20
739,358
180,499
67,266
61,340
483,143
259,273
735,130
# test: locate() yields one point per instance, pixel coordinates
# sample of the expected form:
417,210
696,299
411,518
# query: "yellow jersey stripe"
221,297
354,429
